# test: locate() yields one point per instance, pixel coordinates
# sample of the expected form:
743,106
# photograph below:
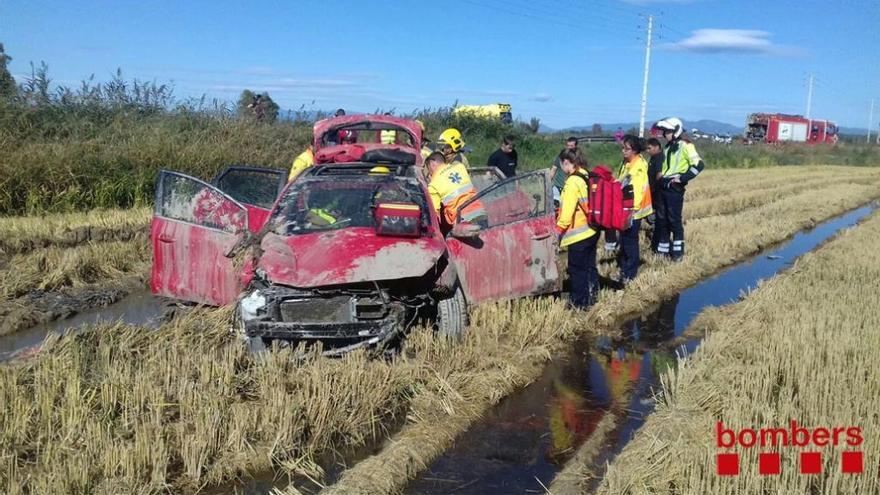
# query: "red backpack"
610,203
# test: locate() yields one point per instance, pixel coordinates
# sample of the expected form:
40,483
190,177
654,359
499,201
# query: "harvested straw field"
57,265
801,347
23,234
123,408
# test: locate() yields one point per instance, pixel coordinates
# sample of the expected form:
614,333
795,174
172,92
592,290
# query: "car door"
194,225
484,177
515,255
256,188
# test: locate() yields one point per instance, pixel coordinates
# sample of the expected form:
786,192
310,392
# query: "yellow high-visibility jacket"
635,172
684,159
388,136
450,187
305,160
572,223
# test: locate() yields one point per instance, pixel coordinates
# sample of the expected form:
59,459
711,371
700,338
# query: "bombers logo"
808,440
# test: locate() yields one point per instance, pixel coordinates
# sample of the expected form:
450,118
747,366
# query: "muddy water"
139,307
522,444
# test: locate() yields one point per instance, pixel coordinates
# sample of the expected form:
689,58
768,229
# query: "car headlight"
252,304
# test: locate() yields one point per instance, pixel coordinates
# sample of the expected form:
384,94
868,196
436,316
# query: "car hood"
345,257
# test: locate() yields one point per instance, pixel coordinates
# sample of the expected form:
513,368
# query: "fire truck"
780,128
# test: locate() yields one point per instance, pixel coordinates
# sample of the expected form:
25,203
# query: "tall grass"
100,146
788,351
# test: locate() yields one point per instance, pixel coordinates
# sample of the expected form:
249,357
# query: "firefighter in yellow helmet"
450,188
452,146
303,161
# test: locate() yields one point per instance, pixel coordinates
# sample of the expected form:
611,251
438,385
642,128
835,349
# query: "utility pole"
645,81
870,120
809,96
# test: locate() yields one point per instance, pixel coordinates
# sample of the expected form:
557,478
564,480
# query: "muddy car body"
351,252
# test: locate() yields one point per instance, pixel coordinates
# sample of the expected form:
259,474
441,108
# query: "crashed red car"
351,252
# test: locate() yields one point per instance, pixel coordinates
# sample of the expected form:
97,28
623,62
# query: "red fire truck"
779,128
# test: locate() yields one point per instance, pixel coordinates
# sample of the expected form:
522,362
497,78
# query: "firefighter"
575,233
388,136
452,146
305,160
682,164
633,170
450,187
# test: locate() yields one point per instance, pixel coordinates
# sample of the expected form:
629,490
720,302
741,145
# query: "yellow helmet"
453,138
380,170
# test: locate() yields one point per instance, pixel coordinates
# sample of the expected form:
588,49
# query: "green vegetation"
101,145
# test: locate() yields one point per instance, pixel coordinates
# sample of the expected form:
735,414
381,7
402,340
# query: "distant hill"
705,125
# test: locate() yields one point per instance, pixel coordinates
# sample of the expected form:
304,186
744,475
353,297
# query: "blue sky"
566,62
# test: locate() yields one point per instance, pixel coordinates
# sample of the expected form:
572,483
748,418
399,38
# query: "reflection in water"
527,439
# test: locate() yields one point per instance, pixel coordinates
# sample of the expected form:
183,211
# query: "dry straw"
126,409
800,347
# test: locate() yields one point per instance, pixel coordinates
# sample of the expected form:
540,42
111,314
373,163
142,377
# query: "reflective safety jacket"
450,188
682,160
635,172
388,136
572,224
305,160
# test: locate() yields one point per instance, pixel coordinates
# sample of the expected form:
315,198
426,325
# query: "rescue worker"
452,146
450,187
655,171
556,173
387,136
682,164
426,147
633,170
303,161
574,231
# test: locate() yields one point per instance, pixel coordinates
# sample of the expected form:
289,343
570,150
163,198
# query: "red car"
351,252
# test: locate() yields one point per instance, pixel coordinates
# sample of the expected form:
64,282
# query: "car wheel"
452,316
255,345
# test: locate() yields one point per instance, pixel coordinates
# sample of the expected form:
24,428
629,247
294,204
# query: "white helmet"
671,124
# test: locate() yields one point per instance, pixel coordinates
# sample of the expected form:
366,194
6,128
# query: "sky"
568,63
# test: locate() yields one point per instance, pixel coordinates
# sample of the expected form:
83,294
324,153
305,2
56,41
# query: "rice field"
127,409
801,347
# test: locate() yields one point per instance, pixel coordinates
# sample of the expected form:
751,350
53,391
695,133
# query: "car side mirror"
242,239
465,230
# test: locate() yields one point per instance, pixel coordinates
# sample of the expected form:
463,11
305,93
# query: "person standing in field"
303,161
681,164
655,171
633,170
574,231
505,157
557,175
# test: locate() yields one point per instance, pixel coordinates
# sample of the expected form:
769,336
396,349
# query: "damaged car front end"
342,318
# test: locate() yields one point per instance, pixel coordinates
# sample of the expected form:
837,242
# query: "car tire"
452,315
255,345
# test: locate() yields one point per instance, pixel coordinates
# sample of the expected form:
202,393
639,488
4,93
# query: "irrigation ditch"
523,443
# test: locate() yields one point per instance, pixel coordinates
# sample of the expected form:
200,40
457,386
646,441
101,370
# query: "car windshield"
332,203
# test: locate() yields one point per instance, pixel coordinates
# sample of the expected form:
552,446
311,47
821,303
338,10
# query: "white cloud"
542,97
728,41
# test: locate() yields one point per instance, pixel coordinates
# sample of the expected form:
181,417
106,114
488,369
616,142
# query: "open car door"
484,177
254,187
515,255
193,227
